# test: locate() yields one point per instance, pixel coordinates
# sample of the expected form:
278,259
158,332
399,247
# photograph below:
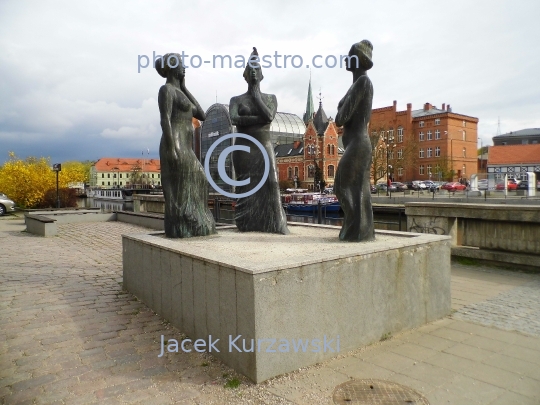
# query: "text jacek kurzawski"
241,345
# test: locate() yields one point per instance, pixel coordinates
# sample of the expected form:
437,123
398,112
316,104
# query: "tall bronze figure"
185,187
252,114
352,184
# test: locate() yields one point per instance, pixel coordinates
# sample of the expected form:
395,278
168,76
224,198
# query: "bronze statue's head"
252,72
170,65
360,54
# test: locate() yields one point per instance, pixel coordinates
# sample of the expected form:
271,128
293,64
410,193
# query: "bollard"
319,212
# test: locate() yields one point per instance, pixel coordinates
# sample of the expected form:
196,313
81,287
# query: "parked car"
455,186
523,185
512,185
373,189
418,185
6,204
399,186
482,184
430,185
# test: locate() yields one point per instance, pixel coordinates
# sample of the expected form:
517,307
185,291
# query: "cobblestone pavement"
517,309
69,334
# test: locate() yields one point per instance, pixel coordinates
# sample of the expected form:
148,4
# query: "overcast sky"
70,87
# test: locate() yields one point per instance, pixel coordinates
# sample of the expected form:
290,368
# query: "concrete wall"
39,227
149,203
500,233
147,221
383,288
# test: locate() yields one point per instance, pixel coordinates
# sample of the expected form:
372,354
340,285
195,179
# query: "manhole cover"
376,392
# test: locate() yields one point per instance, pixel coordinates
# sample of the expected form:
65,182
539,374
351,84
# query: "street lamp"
313,151
388,139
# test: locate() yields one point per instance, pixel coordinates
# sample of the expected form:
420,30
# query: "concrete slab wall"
359,297
500,233
41,228
147,221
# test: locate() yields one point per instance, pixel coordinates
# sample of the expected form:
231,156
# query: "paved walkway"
69,334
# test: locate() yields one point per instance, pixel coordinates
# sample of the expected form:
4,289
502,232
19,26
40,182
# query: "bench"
40,225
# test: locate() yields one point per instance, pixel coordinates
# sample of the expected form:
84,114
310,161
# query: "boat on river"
309,202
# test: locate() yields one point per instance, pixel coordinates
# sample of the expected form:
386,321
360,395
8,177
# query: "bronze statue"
352,183
184,182
252,114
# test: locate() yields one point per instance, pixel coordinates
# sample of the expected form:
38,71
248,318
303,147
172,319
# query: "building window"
464,152
331,171
102,183
120,183
296,171
373,134
429,152
421,125
108,183
391,134
102,175
328,148
400,134
437,151
421,136
289,173
463,170
524,141
159,176
114,175
429,170
421,169
437,121
120,175
421,153
429,136
152,175
311,171
437,134
108,176
464,124
400,153
400,171
464,137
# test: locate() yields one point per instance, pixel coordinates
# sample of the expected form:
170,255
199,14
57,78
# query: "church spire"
310,110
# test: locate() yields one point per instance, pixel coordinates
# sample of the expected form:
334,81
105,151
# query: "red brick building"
429,143
297,162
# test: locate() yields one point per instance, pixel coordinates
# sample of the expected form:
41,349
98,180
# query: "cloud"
69,84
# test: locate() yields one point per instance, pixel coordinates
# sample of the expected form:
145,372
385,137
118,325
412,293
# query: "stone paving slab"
69,334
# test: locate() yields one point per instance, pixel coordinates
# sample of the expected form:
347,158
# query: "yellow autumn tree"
27,180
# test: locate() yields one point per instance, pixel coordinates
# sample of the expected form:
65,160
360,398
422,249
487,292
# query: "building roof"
514,154
424,113
113,164
289,150
521,132
310,109
288,123
320,120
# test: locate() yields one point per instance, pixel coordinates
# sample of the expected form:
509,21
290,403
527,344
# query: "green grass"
205,364
386,336
466,261
232,383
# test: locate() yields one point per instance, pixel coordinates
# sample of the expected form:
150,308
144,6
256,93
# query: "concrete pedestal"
289,293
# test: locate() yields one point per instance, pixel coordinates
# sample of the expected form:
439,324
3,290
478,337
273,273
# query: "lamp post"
313,151
388,139
57,167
